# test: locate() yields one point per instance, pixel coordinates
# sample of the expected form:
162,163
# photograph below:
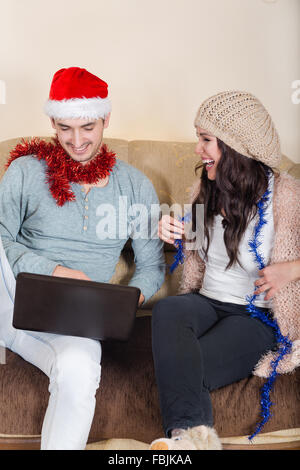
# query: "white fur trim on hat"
78,108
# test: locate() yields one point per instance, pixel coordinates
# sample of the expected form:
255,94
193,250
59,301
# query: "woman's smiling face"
208,149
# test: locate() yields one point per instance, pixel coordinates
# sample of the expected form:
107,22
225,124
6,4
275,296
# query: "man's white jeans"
71,363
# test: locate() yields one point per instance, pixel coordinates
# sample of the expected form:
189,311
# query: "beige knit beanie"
241,121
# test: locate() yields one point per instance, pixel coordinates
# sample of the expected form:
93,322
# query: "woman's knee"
169,311
187,313
164,308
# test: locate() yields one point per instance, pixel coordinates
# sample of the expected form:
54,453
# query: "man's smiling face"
80,138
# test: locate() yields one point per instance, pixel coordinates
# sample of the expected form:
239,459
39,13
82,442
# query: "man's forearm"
148,280
22,259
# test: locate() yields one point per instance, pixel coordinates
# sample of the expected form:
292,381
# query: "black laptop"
75,307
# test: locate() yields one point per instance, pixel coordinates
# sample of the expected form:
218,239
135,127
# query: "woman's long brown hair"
240,183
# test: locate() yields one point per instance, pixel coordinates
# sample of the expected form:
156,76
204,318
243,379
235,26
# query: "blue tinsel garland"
284,344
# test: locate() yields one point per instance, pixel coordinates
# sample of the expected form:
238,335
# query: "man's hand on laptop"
61,271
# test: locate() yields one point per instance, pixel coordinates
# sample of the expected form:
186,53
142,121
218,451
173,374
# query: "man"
50,206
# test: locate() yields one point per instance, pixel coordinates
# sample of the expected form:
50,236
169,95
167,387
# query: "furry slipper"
197,438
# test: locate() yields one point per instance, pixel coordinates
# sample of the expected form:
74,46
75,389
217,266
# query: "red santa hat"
76,93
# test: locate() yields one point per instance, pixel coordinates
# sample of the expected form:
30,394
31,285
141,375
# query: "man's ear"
53,123
106,121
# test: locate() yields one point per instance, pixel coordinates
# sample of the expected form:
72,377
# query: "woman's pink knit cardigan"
286,303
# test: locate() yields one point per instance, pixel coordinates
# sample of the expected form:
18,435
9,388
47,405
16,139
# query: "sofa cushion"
125,269
295,171
127,400
169,165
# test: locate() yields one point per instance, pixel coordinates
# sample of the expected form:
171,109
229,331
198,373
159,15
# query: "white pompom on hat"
76,93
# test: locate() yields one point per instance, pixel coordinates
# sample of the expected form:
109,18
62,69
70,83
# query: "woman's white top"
237,282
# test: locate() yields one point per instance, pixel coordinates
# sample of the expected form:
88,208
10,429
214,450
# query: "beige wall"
161,58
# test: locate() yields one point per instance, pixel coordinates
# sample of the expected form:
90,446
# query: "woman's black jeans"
200,344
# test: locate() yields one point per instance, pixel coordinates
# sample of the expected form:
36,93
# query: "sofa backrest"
169,165
120,147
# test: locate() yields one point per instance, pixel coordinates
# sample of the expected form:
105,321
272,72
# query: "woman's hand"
170,229
276,276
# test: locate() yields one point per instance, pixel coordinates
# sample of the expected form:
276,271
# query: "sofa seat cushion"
127,400
125,269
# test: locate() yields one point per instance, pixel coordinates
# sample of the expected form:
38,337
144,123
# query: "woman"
213,334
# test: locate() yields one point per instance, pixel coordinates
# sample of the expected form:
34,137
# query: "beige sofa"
127,411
